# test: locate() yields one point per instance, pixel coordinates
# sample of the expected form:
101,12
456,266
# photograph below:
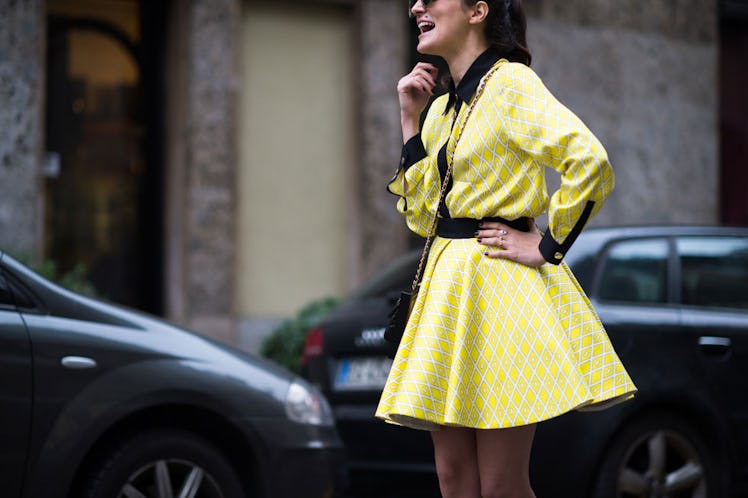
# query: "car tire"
155,462
660,456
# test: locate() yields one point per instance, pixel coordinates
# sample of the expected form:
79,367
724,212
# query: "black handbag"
397,319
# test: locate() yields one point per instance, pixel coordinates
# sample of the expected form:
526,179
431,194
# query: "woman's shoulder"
439,103
435,110
514,75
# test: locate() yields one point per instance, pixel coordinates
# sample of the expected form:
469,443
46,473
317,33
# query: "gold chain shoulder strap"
447,176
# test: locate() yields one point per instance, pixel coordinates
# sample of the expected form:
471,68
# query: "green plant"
286,343
75,280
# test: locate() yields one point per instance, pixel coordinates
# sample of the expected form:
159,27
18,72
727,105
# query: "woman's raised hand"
414,90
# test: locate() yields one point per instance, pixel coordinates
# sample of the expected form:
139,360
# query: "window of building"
714,271
635,271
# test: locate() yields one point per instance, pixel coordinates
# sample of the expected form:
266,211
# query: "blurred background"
221,163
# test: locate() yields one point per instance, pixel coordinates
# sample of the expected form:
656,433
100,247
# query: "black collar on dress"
470,81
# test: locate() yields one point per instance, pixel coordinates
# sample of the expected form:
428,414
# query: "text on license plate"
359,374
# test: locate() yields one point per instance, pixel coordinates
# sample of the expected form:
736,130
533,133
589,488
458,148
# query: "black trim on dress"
552,251
470,81
413,151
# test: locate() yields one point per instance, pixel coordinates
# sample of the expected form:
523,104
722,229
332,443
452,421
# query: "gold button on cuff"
558,255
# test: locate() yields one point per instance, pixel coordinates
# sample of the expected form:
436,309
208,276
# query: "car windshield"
395,277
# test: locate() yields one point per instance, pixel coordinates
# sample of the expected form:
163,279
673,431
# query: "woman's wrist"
410,126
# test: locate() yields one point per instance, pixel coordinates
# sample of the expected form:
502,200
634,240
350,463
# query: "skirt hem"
430,425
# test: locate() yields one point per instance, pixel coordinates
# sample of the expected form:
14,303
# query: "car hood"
157,336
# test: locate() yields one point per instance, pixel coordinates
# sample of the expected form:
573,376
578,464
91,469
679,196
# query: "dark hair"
506,29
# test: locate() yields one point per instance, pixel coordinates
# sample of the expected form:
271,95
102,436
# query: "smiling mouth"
425,26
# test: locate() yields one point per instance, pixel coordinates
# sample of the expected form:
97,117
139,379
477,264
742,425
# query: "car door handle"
78,362
713,344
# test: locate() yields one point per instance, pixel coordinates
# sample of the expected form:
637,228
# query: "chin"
426,49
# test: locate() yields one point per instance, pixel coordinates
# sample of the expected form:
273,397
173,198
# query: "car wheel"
164,464
659,457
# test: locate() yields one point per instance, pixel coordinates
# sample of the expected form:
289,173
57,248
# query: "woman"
501,335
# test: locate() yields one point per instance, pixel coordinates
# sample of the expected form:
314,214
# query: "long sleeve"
552,135
413,152
417,181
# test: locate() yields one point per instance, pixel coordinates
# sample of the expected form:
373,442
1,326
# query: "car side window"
6,298
635,271
714,271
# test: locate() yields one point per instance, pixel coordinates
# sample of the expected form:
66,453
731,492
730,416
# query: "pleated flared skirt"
493,344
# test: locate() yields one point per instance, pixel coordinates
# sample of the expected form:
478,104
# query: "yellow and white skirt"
492,344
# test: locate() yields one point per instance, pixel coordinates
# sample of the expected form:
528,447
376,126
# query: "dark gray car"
97,401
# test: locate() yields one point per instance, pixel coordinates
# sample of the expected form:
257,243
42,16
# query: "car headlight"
306,405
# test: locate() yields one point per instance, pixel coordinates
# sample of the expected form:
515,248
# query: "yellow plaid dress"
491,343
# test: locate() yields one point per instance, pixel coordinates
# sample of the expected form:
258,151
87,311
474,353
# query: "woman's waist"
465,228
474,206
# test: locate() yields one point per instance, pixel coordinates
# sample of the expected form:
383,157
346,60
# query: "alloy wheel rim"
662,464
171,478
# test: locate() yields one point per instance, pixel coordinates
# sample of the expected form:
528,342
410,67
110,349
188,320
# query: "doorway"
103,173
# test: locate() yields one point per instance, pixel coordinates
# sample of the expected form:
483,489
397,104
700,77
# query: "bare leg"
504,462
456,462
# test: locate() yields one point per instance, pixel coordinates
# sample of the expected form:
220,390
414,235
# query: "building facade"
222,162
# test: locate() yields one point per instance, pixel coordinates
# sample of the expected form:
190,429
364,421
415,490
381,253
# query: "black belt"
465,228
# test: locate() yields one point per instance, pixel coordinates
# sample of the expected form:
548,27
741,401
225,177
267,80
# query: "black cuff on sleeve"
413,151
552,251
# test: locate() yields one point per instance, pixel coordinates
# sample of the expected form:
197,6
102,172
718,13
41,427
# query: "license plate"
362,374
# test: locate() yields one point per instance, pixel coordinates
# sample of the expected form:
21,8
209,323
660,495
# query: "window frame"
16,286
5,284
679,263
672,271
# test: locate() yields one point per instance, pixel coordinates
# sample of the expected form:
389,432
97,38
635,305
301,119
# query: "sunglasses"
411,3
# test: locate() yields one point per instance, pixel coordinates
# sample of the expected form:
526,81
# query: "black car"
97,401
674,301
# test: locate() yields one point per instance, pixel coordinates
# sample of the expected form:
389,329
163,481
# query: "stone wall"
643,75
690,20
384,50
21,127
201,174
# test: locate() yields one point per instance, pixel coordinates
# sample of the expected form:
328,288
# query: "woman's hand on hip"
414,91
505,242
